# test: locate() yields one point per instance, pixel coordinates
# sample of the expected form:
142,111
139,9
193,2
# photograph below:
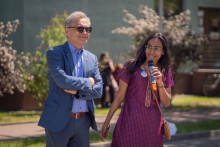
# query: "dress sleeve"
169,80
123,74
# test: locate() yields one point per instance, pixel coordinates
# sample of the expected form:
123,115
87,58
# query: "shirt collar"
74,50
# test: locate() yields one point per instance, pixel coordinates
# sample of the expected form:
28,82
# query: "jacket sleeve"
97,89
56,68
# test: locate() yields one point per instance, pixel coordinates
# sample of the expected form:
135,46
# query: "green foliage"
52,36
168,5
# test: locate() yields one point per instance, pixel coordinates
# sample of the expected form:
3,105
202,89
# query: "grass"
189,127
94,136
104,111
179,102
40,141
27,142
195,102
24,116
19,116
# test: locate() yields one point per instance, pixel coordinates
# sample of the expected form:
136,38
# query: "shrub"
183,42
52,36
12,65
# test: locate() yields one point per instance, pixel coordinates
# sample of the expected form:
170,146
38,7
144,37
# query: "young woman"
140,122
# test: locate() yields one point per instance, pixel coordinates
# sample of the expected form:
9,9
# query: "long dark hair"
164,62
103,54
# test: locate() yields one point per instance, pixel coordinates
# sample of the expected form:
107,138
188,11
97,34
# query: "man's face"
74,37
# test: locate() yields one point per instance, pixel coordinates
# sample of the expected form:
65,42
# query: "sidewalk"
28,130
199,142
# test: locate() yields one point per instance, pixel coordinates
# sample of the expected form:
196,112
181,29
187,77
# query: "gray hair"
70,19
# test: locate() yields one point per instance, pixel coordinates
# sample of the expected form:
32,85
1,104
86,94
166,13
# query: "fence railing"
211,54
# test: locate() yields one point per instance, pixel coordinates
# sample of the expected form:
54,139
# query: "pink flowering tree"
184,43
12,65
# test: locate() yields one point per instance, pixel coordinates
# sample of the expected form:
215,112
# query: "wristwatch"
77,94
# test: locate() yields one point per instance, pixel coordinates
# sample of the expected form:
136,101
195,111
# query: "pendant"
144,74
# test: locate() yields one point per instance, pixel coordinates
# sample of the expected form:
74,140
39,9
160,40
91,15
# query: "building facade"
105,15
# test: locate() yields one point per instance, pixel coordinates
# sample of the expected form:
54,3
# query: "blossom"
11,64
180,37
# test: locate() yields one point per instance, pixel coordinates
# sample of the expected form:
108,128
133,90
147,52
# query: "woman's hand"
104,132
71,91
111,65
157,75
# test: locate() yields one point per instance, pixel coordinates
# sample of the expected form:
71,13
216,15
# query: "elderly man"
74,81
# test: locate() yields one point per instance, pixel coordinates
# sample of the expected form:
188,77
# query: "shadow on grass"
189,127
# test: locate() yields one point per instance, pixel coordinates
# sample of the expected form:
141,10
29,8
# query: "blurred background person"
106,67
118,68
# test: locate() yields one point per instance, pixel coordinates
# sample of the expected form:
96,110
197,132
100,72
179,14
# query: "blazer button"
72,95
69,109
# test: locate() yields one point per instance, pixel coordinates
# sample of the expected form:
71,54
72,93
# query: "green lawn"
195,102
104,111
94,136
182,102
37,142
198,126
19,116
23,116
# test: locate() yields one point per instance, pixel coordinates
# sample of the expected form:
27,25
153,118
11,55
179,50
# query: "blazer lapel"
70,58
85,64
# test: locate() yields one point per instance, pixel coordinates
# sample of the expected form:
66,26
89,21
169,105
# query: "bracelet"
161,86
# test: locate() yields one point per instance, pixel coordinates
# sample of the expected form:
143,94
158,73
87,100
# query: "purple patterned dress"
140,123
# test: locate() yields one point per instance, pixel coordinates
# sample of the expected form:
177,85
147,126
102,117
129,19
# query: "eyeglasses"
155,49
81,29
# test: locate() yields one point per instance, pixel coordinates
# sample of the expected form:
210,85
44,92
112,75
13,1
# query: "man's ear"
66,31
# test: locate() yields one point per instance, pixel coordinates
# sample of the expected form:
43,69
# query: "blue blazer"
58,105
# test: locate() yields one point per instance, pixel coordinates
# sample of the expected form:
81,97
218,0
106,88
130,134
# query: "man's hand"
92,81
71,91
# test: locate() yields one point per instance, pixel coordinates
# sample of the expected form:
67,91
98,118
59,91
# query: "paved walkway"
25,130
201,142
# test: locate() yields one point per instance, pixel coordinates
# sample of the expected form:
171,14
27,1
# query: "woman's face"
154,50
106,58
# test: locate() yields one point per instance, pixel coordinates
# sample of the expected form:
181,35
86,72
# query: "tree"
183,42
12,65
174,5
52,36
